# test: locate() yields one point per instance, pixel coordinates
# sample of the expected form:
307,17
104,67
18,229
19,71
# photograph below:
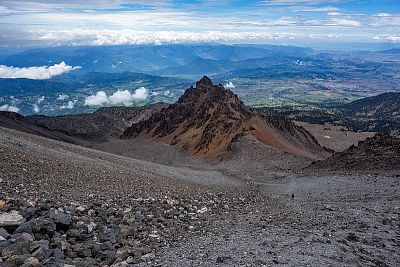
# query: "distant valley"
261,75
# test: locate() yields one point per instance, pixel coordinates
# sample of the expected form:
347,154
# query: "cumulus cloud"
230,85
37,73
36,108
168,93
118,97
140,93
100,98
69,105
9,108
62,97
40,99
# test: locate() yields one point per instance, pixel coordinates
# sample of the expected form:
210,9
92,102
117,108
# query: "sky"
25,23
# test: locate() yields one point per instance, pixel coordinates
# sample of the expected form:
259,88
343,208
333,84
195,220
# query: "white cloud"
118,97
69,105
390,38
99,98
62,97
37,73
335,14
36,108
40,99
9,108
168,93
345,23
315,9
385,20
230,85
297,2
132,37
140,93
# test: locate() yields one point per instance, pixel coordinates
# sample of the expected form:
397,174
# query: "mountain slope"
384,105
21,123
379,113
82,128
380,153
207,119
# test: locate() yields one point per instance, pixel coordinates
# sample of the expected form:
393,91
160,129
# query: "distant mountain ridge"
380,113
143,58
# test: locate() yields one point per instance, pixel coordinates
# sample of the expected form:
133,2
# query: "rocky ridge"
380,153
208,118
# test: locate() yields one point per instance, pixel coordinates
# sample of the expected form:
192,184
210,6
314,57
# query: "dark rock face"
208,118
380,153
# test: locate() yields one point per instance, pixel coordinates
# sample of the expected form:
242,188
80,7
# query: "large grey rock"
62,220
43,226
11,220
25,227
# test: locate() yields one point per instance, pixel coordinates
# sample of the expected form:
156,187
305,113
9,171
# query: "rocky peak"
207,97
207,119
204,83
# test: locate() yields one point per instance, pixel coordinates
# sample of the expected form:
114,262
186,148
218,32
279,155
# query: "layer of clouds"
297,2
37,73
118,97
385,20
69,105
229,85
10,108
120,22
131,37
389,38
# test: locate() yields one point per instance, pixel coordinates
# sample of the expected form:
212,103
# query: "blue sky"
116,22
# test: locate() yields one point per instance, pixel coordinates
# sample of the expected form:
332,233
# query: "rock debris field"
65,205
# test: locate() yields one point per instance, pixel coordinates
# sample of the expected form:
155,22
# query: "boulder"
11,220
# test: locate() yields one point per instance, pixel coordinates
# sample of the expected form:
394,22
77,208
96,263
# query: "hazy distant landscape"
261,75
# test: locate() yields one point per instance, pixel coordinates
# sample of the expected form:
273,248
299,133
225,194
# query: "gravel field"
81,207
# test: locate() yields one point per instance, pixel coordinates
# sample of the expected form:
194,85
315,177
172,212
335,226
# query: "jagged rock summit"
208,118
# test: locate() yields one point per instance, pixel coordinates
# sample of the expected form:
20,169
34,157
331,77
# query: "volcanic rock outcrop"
380,153
207,119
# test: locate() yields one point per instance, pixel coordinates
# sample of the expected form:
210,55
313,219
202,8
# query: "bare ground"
280,217
337,138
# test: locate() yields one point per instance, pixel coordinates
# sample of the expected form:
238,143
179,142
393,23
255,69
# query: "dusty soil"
337,138
260,210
